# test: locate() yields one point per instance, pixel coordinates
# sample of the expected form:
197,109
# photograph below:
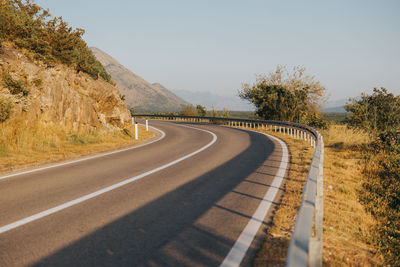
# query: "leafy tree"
201,110
214,112
225,113
188,110
286,96
376,113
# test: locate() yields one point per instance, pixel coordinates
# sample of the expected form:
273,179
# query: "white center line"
71,203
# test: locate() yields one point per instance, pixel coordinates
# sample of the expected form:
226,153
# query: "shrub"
188,110
14,86
5,109
51,40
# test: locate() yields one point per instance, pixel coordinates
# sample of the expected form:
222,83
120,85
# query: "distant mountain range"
139,94
210,100
336,106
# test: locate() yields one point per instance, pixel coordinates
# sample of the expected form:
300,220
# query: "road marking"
71,203
242,244
83,159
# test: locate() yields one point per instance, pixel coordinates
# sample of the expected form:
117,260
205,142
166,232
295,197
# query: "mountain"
139,94
210,100
337,106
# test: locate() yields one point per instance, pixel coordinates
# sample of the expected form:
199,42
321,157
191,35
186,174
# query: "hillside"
58,95
139,94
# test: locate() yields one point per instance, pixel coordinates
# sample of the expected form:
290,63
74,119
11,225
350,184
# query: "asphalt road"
187,214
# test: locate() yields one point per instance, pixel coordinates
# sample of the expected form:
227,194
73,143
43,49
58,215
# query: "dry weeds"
274,249
24,145
347,225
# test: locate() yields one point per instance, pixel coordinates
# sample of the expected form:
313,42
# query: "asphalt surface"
189,214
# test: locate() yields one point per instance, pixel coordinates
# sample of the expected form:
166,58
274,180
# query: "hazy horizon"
216,46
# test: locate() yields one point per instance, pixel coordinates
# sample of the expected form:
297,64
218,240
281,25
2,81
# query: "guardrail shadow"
164,232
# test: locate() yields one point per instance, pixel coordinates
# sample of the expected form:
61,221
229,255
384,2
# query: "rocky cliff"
59,95
139,94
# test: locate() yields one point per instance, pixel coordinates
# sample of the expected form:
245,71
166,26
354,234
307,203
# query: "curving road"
184,200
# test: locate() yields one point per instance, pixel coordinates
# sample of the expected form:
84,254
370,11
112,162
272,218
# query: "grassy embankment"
348,226
23,145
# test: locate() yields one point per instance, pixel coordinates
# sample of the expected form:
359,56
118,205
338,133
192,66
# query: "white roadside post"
147,125
136,131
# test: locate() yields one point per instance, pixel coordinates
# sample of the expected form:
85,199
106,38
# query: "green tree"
286,96
376,113
201,110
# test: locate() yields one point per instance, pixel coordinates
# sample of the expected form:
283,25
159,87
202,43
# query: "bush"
5,109
379,115
381,197
51,40
376,113
188,110
15,87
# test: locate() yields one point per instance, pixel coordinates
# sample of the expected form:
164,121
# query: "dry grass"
25,145
347,225
274,249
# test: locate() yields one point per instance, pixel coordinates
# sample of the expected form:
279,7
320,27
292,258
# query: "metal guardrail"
305,248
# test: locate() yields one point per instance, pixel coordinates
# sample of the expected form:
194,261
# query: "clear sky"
216,45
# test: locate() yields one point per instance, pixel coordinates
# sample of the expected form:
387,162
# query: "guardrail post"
136,131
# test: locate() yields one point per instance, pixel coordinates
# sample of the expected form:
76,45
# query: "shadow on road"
164,232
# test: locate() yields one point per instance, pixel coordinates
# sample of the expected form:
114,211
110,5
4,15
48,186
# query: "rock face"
61,96
139,94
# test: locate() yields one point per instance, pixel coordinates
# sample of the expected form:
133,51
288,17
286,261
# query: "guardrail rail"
305,248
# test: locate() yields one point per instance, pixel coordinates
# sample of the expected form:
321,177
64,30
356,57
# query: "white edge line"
242,244
83,159
68,204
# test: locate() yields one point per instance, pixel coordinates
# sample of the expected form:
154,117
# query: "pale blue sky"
350,46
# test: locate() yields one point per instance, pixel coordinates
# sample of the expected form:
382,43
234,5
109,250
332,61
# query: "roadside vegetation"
362,170
45,39
277,237
48,41
348,226
24,145
287,95
200,110
378,115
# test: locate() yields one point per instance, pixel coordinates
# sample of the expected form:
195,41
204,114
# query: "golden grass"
347,225
25,145
274,249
